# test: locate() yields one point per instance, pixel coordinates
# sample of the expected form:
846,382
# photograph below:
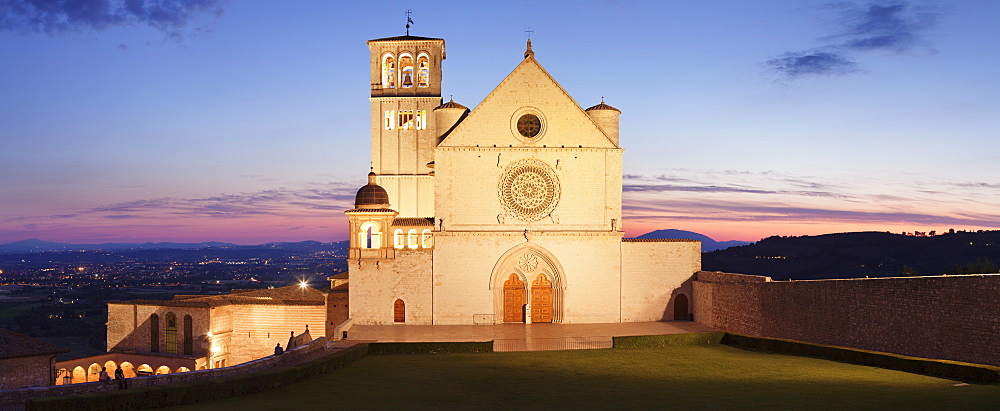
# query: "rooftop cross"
409,21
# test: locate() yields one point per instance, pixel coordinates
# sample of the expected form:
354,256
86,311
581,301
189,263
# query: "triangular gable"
529,85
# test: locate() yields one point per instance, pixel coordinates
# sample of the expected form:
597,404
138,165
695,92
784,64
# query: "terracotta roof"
413,222
342,287
14,345
405,38
291,295
339,276
603,106
658,240
451,104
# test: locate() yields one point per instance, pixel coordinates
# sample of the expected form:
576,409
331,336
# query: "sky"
246,121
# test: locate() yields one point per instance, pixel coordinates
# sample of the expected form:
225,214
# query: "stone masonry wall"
26,371
942,317
654,273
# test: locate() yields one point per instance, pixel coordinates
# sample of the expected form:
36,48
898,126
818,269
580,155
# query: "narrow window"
388,71
188,336
171,333
426,240
390,119
398,239
421,119
406,70
411,238
423,71
154,333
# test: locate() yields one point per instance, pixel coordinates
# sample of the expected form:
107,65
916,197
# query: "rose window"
529,190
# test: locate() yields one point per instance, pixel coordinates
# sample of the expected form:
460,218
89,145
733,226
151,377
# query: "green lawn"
714,376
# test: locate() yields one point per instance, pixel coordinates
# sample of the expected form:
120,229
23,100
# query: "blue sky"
246,121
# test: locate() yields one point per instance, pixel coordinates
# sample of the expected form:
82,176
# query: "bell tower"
405,89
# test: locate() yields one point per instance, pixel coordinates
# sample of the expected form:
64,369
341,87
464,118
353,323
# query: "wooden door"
513,300
399,311
541,300
681,307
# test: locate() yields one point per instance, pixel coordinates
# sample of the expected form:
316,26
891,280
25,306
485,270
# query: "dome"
451,104
603,106
371,195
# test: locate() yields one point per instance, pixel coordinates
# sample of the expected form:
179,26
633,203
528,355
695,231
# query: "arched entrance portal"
528,285
513,300
541,300
681,307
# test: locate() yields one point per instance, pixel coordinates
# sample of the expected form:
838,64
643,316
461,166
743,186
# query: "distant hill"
35,245
857,255
707,243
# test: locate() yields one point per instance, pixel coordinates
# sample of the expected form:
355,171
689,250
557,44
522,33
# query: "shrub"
938,368
642,341
429,348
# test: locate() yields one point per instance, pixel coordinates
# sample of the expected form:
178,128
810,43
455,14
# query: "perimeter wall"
955,317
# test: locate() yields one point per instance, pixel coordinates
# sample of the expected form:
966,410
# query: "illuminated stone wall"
375,286
257,328
942,317
654,273
129,327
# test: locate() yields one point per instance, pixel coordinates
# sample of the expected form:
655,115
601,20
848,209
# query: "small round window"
529,125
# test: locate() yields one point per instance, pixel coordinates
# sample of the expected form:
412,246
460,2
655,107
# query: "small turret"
447,115
606,118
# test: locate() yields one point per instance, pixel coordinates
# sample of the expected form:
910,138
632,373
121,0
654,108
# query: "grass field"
715,376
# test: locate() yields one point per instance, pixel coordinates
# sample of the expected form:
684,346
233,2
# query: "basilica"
510,212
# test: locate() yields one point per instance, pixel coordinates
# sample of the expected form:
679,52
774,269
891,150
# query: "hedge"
429,347
642,341
198,391
938,368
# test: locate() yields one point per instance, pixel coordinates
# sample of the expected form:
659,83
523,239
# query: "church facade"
507,213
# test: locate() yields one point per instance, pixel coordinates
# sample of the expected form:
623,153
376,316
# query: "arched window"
423,71
426,239
399,311
406,70
188,335
398,239
411,238
388,71
171,333
154,333
369,235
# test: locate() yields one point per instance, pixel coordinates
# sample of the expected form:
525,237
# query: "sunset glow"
248,122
